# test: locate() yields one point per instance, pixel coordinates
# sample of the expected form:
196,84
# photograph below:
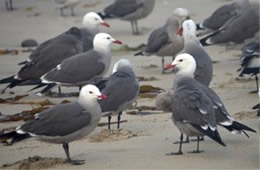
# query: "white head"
181,14
103,41
92,20
188,29
120,63
90,92
184,63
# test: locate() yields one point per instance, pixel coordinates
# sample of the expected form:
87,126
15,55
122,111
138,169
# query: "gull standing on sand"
164,40
121,88
53,51
46,57
223,14
196,109
63,123
82,68
237,29
129,10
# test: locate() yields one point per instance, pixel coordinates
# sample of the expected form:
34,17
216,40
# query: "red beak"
105,24
169,66
117,42
179,32
102,96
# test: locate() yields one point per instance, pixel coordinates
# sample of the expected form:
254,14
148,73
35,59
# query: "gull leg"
133,29
136,28
256,80
72,11
180,148
186,141
198,146
118,119
163,70
73,162
109,121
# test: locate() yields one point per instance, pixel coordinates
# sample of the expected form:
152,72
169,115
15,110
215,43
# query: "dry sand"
143,141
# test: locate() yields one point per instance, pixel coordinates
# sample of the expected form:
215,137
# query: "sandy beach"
143,141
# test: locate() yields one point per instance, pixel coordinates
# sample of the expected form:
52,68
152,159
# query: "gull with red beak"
82,68
90,27
197,109
63,123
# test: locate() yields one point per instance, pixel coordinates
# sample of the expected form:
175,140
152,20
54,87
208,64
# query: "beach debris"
114,135
11,101
8,51
149,91
142,78
24,115
35,162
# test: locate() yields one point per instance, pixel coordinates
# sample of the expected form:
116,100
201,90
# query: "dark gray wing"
157,39
50,56
77,69
204,70
60,120
220,16
121,89
238,28
121,8
87,40
191,104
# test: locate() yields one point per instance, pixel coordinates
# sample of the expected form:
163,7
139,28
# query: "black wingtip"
22,63
139,53
103,15
12,137
47,88
203,41
240,126
199,27
7,80
210,133
38,86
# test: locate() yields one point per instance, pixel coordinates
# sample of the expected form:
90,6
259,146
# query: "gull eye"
90,92
96,19
180,60
108,38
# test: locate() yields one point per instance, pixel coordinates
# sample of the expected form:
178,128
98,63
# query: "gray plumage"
237,29
196,108
129,10
82,68
204,70
223,14
164,40
79,69
121,88
64,123
51,53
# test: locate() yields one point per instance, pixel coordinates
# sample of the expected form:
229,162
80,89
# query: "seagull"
197,109
121,88
63,123
223,14
164,40
129,10
53,51
82,68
